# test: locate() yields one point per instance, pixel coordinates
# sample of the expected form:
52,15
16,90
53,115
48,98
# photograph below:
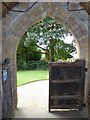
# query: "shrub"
41,65
32,65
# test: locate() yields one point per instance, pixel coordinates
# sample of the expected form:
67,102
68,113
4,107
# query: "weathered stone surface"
59,19
35,11
74,6
14,31
21,32
36,19
61,12
71,23
25,21
85,42
81,31
0,62
52,9
15,25
0,90
44,5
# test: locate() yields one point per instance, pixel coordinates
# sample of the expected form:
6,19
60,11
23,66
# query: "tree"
48,36
27,53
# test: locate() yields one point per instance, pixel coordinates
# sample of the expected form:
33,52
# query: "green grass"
24,77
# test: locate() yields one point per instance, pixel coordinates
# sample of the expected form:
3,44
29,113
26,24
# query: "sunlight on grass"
24,77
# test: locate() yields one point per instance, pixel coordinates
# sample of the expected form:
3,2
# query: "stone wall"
89,52
16,24
0,62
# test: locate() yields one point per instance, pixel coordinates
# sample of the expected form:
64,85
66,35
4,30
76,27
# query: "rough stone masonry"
15,24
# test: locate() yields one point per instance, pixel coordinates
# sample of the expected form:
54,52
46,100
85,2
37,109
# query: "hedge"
33,65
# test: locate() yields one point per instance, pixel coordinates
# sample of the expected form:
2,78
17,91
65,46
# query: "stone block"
61,15
21,32
85,42
80,34
52,9
0,107
6,46
44,6
25,22
36,19
1,54
7,20
89,99
22,19
13,30
35,11
61,12
0,89
74,6
88,55
13,48
24,5
71,22
59,19
4,28
82,30
0,68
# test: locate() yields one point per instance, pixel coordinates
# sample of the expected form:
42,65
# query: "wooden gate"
66,85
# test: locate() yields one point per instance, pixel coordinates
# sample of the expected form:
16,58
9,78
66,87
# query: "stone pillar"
84,55
14,81
0,61
89,53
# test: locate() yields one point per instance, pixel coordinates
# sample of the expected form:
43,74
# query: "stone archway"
16,24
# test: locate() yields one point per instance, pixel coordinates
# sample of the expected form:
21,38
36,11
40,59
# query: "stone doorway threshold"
33,103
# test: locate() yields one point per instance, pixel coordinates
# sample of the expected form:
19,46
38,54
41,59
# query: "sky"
69,39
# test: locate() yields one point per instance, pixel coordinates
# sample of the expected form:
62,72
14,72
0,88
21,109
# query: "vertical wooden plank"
63,72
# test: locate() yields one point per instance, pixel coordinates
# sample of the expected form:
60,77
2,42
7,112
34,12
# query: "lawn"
24,77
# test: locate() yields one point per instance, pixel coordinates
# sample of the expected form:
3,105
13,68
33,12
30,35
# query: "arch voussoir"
14,29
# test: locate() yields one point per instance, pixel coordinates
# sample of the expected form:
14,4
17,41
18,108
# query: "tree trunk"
52,50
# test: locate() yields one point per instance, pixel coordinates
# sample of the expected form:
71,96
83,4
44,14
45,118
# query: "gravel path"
33,102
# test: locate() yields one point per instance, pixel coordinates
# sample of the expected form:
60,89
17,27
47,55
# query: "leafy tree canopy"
26,54
48,36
